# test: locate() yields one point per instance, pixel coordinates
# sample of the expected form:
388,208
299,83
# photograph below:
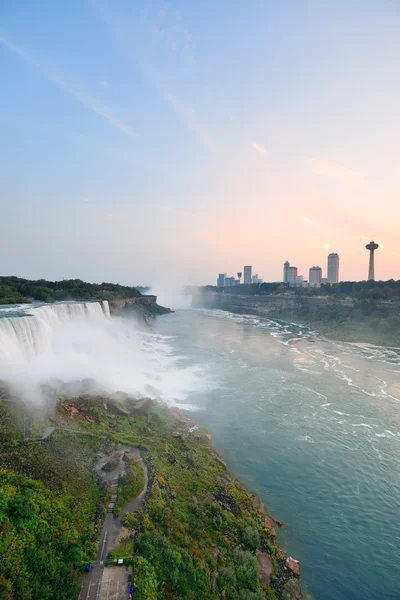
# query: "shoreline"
193,506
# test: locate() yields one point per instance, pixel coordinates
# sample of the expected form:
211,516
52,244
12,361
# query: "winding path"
112,527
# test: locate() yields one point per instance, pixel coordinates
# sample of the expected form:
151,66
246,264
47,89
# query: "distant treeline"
358,290
14,290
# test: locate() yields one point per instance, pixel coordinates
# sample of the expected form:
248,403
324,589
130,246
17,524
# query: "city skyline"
292,276
189,148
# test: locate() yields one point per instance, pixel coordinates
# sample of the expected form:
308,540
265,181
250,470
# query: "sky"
145,141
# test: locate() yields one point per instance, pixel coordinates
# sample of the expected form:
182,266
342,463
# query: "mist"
76,348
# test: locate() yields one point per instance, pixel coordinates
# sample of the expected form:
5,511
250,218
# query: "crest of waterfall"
24,337
77,348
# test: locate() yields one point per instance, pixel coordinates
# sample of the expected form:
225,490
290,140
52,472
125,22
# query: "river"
313,427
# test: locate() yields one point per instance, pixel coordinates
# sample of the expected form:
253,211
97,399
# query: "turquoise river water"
313,427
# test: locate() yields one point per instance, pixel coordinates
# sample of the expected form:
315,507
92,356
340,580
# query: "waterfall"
25,337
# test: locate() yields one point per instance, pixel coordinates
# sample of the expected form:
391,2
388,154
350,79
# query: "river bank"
199,533
347,320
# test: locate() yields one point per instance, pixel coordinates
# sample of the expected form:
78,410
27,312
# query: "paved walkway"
91,582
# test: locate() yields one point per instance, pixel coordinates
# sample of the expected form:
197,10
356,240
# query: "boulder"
293,565
222,481
268,525
292,590
142,406
264,568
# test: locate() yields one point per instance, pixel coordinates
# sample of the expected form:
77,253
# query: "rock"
264,568
293,565
222,481
208,435
207,500
214,578
142,406
268,525
74,410
195,500
258,503
292,590
171,458
120,396
215,553
278,522
105,406
112,463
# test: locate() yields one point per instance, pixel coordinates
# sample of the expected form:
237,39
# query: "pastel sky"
144,141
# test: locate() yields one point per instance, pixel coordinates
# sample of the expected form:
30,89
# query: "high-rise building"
333,268
247,274
299,280
315,276
221,280
231,281
256,279
372,246
289,273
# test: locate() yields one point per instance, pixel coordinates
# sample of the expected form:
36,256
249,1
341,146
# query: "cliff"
346,319
143,306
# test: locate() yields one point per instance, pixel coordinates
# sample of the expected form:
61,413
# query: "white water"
77,347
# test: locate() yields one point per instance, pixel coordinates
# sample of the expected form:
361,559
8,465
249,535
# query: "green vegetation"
197,520
363,321
196,535
9,295
15,290
51,509
130,485
358,290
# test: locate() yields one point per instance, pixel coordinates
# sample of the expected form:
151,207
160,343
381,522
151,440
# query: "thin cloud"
136,52
104,84
84,199
260,149
333,170
306,220
91,103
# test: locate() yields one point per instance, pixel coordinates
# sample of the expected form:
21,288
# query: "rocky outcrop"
293,565
142,406
292,590
143,306
265,568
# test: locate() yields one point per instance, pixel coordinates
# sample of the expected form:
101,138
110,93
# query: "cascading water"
28,336
78,348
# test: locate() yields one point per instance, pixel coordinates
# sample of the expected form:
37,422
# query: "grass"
130,485
197,521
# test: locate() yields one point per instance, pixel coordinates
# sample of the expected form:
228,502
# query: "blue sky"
149,141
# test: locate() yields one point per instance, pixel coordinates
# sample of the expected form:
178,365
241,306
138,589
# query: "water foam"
79,342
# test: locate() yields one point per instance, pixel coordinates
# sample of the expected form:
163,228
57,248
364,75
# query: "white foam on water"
73,342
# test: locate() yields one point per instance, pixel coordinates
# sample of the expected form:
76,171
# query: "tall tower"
333,268
372,246
247,274
286,266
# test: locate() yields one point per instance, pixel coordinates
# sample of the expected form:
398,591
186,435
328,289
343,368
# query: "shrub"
251,538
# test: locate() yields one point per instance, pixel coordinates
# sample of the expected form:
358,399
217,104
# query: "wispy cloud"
260,149
172,35
84,199
104,84
91,103
306,220
334,170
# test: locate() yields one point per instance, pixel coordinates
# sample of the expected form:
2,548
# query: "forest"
14,290
357,290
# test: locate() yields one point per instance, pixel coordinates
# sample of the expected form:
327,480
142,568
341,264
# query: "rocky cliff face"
144,306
